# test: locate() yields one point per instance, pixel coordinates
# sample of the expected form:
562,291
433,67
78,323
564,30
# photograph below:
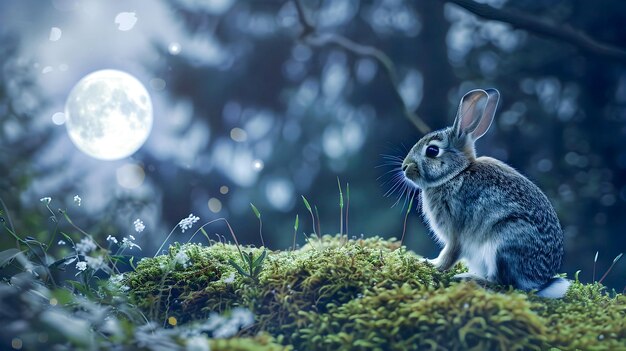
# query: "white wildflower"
230,279
85,245
115,282
129,244
182,258
116,278
61,242
77,200
46,200
81,266
112,239
197,343
139,226
131,237
243,317
95,263
214,321
227,327
187,223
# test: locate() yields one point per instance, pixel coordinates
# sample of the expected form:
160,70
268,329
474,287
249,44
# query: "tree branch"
312,37
532,24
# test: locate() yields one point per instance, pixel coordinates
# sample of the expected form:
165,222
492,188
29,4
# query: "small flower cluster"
85,246
182,259
77,200
187,223
116,282
46,200
129,243
139,226
81,266
95,263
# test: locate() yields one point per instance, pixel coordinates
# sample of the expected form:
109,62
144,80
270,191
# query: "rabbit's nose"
404,167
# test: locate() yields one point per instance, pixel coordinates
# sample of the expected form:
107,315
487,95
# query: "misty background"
255,103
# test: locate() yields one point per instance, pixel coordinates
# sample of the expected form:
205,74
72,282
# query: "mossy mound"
166,286
585,319
371,294
257,343
460,317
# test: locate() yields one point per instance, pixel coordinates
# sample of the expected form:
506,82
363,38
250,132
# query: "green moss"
258,343
372,294
586,319
460,317
164,287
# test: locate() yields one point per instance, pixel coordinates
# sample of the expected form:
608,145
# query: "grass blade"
256,211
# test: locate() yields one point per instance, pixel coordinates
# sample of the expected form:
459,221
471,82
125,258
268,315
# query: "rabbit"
482,210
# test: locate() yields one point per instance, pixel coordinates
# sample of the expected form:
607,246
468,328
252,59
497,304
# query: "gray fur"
482,210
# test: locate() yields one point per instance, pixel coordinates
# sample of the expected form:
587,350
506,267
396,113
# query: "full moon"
108,114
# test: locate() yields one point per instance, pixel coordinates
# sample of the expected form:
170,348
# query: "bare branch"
532,24
312,37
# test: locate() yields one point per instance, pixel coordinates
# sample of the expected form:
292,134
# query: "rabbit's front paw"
437,262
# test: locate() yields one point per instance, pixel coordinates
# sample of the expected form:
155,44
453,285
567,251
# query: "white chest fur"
438,222
479,255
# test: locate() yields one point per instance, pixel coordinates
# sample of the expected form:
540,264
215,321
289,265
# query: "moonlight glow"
108,114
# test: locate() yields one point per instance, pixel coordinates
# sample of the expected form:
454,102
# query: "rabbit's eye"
432,151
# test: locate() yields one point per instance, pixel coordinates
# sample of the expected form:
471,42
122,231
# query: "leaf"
80,287
65,260
340,193
7,256
259,260
248,258
306,203
237,267
617,258
256,212
68,238
256,271
295,225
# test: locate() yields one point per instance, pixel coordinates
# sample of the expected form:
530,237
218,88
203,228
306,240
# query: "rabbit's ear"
476,112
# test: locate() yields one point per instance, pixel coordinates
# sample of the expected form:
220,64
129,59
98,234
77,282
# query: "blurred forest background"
262,101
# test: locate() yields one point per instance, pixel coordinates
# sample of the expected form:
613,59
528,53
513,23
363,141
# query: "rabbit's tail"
555,288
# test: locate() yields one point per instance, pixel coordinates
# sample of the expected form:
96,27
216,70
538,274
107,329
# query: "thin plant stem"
340,209
232,233
7,214
595,260
617,258
406,216
258,216
319,226
347,206
295,231
69,220
308,207
205,235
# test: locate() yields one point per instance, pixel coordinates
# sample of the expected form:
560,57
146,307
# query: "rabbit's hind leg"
516,266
